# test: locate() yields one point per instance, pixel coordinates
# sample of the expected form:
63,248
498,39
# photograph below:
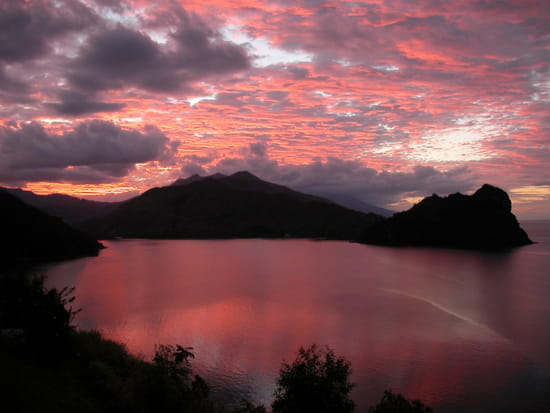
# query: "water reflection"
463,331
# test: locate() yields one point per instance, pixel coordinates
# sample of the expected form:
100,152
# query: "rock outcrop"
483,220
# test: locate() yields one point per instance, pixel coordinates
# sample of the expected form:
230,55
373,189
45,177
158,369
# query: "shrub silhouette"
248,407
317,381
396,403
174,360
42,318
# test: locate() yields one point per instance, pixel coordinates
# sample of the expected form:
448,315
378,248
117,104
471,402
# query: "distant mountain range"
483,220
74,211
244,206
352,202
235,206
29,234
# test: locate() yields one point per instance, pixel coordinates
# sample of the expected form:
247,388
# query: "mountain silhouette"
29,234
483,220
235,206
242,205
70,209
244,180
197,177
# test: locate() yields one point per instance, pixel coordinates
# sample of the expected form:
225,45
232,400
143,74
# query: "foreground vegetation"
48,365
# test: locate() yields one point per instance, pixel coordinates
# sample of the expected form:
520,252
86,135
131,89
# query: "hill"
236,206
483,220
246,178
29,234
70,209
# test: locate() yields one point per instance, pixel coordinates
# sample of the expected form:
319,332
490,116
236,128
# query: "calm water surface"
464,331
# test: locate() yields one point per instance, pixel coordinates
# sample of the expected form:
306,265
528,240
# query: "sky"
387,101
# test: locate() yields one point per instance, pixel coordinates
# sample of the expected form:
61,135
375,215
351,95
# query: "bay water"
464,331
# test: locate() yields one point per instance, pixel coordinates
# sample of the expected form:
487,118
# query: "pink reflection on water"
433,325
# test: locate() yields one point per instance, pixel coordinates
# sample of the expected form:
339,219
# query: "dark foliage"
49,366
39,319
174,359
247,407
396,403
317,381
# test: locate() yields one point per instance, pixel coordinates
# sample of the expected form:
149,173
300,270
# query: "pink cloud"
389,85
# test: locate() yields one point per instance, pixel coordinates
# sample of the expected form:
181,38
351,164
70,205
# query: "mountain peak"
235,206
497,197
196,178
245,175
188,180
217,175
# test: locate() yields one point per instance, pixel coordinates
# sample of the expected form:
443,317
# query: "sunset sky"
383,100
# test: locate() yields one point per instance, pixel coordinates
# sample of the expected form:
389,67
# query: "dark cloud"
193,164
236,99
75,175
76,104
514,7
26,28
258,149
122,57
202,51
381,188
38,35
299,73
277,95
192,168
95,151
10,85
199,159
342,177
116,5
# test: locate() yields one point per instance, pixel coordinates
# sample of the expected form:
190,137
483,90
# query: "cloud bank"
335,176
93,152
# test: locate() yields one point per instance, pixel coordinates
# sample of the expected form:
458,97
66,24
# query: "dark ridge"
480,221
236,206
72,210
188,180
246,180
30,235
195,178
